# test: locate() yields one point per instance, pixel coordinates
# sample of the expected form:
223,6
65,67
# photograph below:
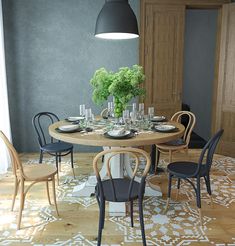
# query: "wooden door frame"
191,4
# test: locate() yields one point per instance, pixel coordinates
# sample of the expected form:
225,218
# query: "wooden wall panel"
163,57
225,105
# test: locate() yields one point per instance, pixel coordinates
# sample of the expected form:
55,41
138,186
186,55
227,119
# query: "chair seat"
167,146
176,142
57,147
185,169
121,189
39,172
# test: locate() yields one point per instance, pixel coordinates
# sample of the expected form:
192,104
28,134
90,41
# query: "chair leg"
141,216
54,195
59,158
41,156
170,156
72,164
17,182
103,216
57,168
48,193
131,213
22,198
101,222
178,189
208,187
198,198
158,169
169,193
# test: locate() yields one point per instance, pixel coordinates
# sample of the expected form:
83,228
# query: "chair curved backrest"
209,149
15,160
190,125
37,122
136,154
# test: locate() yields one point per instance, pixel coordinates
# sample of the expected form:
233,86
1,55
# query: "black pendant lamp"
116,20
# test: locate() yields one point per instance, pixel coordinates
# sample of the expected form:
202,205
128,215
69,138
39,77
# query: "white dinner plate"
68,128
75,118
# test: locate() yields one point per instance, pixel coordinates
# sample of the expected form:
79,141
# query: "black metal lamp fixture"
116,20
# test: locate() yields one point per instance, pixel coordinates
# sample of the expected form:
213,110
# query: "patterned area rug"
179,226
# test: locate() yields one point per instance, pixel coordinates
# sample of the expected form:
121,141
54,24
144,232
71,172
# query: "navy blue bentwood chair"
121,189
187,170
47,144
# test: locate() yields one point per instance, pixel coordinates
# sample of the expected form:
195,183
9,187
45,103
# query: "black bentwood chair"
121,189
47,144
186,170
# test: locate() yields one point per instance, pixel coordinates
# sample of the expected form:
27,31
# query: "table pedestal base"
88,189
119,163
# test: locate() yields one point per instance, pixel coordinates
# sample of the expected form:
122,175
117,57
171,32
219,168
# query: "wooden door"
162,42
224,114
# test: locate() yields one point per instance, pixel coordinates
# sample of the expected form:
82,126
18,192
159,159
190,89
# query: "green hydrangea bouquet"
122,85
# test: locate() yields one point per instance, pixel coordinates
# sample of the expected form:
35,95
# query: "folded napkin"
118,132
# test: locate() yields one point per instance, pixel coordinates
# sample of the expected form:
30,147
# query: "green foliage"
123,85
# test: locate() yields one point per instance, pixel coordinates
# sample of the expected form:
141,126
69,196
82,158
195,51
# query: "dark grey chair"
47,144
187,170
121,189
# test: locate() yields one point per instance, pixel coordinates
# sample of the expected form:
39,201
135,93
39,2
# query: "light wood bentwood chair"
182,143
32,173
121,189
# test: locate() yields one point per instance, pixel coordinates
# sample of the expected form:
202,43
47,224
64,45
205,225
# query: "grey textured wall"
199,57
51,54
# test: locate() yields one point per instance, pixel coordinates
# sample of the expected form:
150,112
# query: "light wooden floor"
78,220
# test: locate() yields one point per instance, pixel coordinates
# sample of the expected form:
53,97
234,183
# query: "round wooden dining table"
97,138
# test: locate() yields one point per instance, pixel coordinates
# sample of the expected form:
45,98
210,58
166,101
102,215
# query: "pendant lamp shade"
116,20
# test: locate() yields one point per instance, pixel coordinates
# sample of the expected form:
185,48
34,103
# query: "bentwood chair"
47,144
191,170
121,189
179,144
31,173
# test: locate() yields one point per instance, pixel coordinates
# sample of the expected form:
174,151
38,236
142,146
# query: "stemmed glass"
141,110
82,108
126,117
110,109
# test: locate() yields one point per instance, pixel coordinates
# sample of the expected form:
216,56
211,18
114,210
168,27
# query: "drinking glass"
88,116
82,109
134,107
133,116
141,109
150,112
110,109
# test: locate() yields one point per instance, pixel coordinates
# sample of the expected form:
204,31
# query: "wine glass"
82,108
110,109
126,117
141,109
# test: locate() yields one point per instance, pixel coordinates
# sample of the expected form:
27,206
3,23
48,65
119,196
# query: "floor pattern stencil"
179,226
